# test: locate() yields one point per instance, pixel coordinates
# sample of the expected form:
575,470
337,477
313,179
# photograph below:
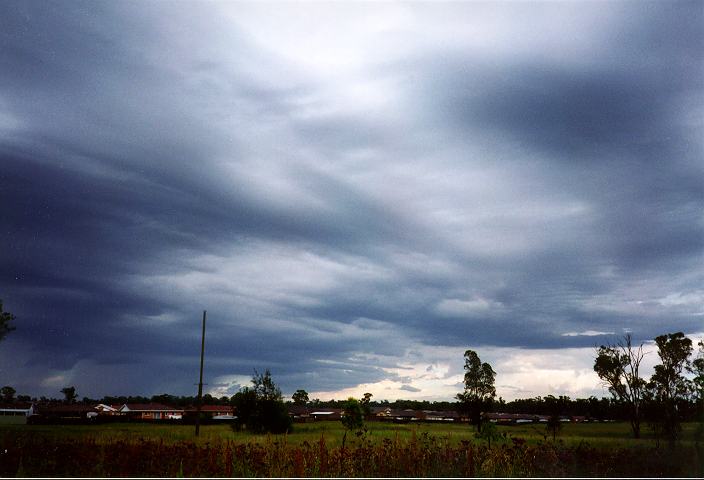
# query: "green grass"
387,450
615,434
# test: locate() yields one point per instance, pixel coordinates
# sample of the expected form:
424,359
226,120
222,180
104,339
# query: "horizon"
356,193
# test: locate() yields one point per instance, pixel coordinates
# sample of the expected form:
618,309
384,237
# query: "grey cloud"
409,388
149,174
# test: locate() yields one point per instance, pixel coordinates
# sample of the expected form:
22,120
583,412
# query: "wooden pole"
200,381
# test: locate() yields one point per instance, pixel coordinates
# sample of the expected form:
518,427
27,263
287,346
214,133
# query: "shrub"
353,416
261,408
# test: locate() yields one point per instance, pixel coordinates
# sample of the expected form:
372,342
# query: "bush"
261,408
353,417
272,416
28,454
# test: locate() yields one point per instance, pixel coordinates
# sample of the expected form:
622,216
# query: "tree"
300,397
554,407
8,393
479,388
167,399
245,403
5,319
69,394
697,368
553,426
365,403
618,367
352,417
273,417
668,384
261,408
265,388
489,432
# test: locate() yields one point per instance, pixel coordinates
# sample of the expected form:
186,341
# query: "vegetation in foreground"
408,452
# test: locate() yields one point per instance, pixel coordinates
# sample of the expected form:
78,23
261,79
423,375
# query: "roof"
377,410
71,408
407,413
511,416
212,408
441,413
298,410
149,407
15,406
326,411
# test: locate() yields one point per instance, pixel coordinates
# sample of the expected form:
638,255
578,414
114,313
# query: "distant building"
57,412
104,409
396,415
300,413
440,416
326,414
216,412
151,411
16,413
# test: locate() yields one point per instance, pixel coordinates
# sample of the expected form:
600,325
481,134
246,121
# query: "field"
315,449
597,434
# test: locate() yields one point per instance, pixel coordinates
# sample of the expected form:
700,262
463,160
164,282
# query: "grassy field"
315,450
596,434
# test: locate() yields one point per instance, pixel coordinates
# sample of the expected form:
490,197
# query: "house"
151,411
514,418
17,412
399,416
440,416
326,414
499,418
395,415
215,412
104,409
71,413
381,412
300,413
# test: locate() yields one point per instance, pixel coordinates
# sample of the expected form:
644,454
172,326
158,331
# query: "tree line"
674,393
666,399
669,396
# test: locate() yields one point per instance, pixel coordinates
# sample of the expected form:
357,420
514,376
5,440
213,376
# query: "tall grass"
415,455
611,435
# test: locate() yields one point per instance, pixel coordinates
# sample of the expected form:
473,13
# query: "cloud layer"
351,191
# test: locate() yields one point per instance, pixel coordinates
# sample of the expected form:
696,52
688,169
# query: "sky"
356,193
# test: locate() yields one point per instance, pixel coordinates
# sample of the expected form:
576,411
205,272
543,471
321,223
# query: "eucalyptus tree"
618,367
668,385
300,397
697,369
479,388
70,395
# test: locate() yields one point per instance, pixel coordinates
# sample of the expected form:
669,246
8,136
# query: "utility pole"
200,382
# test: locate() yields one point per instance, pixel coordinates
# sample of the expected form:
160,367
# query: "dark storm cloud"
159,161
